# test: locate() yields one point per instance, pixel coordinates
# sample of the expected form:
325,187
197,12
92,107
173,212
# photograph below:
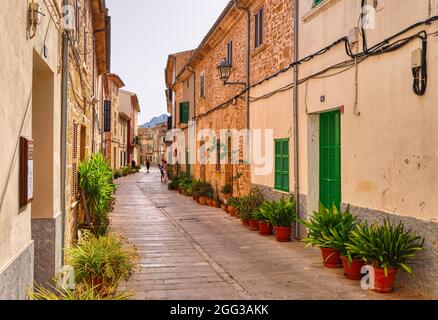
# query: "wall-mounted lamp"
224,69
35,16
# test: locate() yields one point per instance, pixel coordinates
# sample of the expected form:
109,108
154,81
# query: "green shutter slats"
282,165
184,112
330,159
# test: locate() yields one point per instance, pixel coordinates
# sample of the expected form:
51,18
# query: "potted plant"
205,191
224,207
281,214
194,189
248,205
337,238
388,248
233,203
319,225
265,226
227,191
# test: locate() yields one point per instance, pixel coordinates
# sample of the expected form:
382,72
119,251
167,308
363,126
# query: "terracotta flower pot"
331,258
195,198
232,211
218,204
211,202
224,207
254,225
203,201
180,191
384,284
352,269
282,234
245,222
265,228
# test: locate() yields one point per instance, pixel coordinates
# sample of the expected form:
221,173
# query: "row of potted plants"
344,242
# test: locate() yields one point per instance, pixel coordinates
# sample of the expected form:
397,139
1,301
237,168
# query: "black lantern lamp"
224,69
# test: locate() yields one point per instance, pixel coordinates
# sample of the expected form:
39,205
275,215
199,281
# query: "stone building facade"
152,144
220,107
88,63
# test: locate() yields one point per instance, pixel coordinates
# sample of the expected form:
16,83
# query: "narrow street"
188,251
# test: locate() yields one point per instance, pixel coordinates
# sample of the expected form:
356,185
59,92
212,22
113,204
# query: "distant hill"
155,121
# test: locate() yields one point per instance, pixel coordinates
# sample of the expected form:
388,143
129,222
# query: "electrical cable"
420,83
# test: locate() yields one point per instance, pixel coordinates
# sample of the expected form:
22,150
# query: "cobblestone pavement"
188,252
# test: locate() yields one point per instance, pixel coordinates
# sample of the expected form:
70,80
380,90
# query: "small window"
282,165
184,112
218,155
258,28
107,116
230,52
202,86
316,3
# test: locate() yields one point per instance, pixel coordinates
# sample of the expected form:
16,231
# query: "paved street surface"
191,252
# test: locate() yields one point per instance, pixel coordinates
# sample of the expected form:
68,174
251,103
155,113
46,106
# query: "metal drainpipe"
64,119
192,71
248,59
295,116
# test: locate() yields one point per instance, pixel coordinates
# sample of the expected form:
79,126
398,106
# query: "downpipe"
295,118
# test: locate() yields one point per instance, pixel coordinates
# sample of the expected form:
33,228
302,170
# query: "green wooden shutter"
282,165
184,112
330,159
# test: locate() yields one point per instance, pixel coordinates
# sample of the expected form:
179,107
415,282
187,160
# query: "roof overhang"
102,33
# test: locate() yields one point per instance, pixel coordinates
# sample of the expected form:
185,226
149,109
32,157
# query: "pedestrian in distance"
165,173
148,165
161,166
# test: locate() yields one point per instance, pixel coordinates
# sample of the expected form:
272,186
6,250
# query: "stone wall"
17,277
425,265
47,235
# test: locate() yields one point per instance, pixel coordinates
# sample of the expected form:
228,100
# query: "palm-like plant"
385,246
329,228
96,181
280,213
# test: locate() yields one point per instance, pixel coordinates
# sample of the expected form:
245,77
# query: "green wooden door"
282,165
330,185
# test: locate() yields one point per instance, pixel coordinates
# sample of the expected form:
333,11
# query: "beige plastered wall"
16,77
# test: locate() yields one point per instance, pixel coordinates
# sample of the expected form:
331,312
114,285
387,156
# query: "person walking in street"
161,166
148,165
165,171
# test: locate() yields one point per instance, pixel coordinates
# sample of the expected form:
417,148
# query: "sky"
145,32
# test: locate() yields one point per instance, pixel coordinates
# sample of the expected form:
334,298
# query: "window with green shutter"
316,2
282,165
184,112
330,191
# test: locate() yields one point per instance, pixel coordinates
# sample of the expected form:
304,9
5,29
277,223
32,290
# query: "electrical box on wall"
416,58
26,171
353,36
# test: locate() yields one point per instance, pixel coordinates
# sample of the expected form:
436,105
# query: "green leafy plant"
174,183
126,171
234,202
82,291
117,174
250,204
227,189
96,181
385,246
279,213
322,225
186,184
204,189
101,261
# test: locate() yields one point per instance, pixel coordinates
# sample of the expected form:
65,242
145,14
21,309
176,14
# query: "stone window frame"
262,47
318,9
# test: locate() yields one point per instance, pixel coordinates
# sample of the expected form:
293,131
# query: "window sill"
319,9
259,49
282,191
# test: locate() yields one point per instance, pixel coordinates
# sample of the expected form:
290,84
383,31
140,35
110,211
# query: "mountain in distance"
155,121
